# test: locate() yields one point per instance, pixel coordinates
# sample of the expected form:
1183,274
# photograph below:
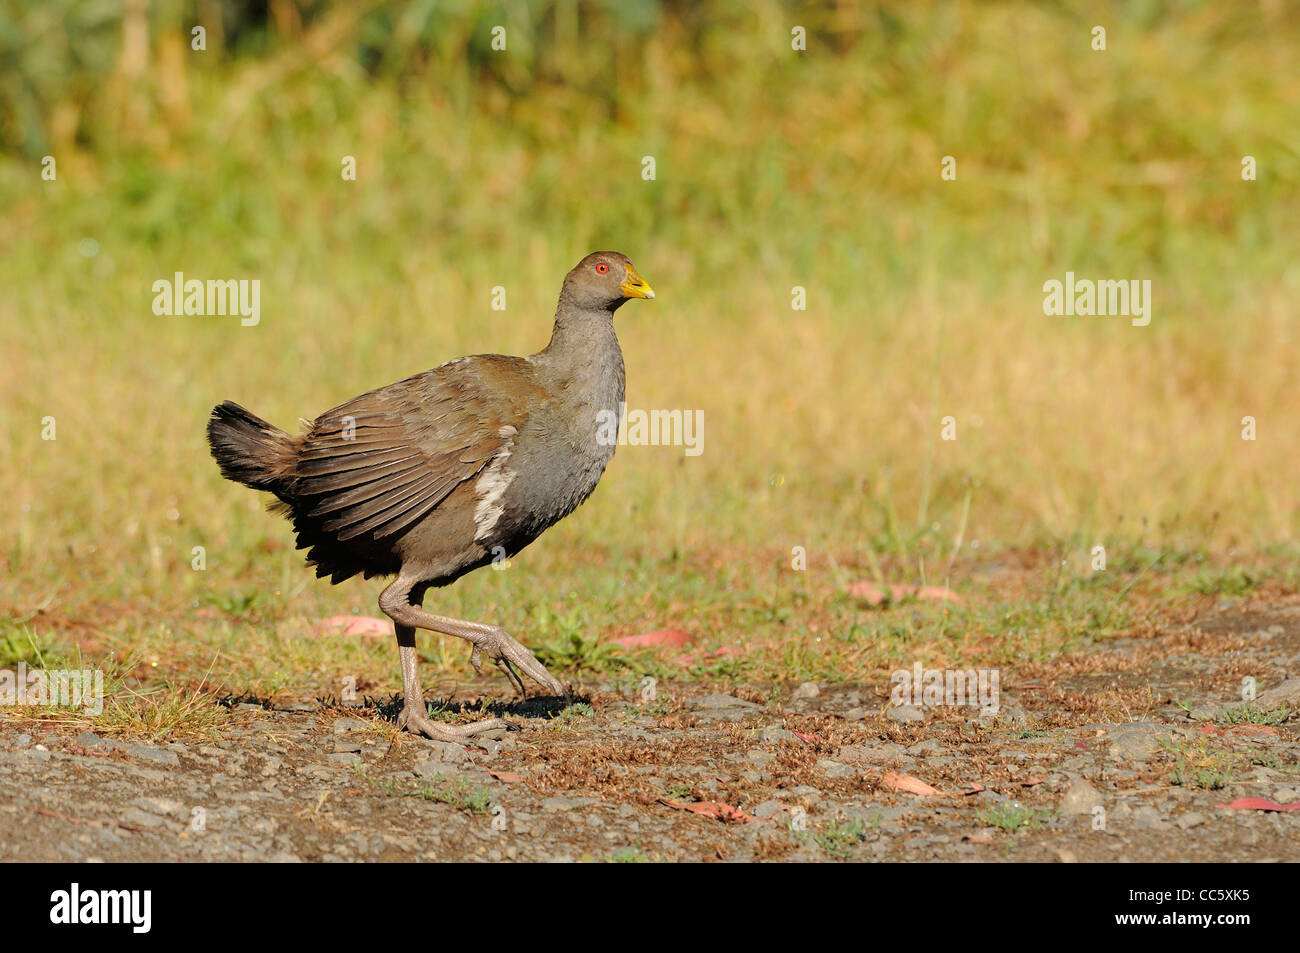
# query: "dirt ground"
799,773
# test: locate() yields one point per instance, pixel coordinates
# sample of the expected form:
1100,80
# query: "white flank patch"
491,487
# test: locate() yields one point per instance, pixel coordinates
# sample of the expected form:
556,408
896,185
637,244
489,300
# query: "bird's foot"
507,653
418,722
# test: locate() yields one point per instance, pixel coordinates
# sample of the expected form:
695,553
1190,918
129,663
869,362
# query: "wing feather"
407,446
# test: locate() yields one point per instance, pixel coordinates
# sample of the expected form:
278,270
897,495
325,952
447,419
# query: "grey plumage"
434,476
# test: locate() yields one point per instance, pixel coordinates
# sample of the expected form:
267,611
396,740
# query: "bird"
442,473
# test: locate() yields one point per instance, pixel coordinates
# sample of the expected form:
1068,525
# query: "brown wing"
378,463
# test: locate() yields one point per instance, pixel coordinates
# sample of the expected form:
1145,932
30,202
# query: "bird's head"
604,281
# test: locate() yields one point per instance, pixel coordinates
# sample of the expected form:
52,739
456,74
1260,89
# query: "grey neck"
580,339
584,358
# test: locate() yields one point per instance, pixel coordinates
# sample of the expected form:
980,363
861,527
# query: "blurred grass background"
775,169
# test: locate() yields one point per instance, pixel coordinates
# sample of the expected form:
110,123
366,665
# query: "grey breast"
553,461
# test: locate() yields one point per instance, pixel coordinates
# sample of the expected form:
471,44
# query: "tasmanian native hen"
434,476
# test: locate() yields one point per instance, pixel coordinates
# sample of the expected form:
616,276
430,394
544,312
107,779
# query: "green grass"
657,709
19,643
839,838
679,791
1253,715
1012,818
459,794
1233,581
576,710
456,792
628,855
1275,761
579,651
1209,779
822,426
1201,765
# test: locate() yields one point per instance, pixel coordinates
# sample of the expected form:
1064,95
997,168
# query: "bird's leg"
490,640
414,716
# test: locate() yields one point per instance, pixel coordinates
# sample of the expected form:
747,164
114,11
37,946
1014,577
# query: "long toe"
538,673
475,728
419,723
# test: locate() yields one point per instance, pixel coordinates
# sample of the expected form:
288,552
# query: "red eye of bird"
601,268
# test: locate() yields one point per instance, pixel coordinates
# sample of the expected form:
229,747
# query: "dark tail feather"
248,449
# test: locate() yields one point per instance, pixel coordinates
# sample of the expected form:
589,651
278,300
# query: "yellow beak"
634,286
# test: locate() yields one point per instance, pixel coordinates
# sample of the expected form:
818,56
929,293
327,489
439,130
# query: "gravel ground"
801,773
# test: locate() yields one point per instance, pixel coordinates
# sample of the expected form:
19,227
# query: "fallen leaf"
723,812
1251,730
875,595
354,625
509,777
1238,730
1031,782
91,752
975,788
806,739
1260,804
909,784
687,659
658,637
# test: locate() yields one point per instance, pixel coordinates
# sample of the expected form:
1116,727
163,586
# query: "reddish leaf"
975,788
1260,804
806,739
1239,730
909,784
91,752
354,625
1251,730
509,777
658,637
723,812
875,595
687,659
